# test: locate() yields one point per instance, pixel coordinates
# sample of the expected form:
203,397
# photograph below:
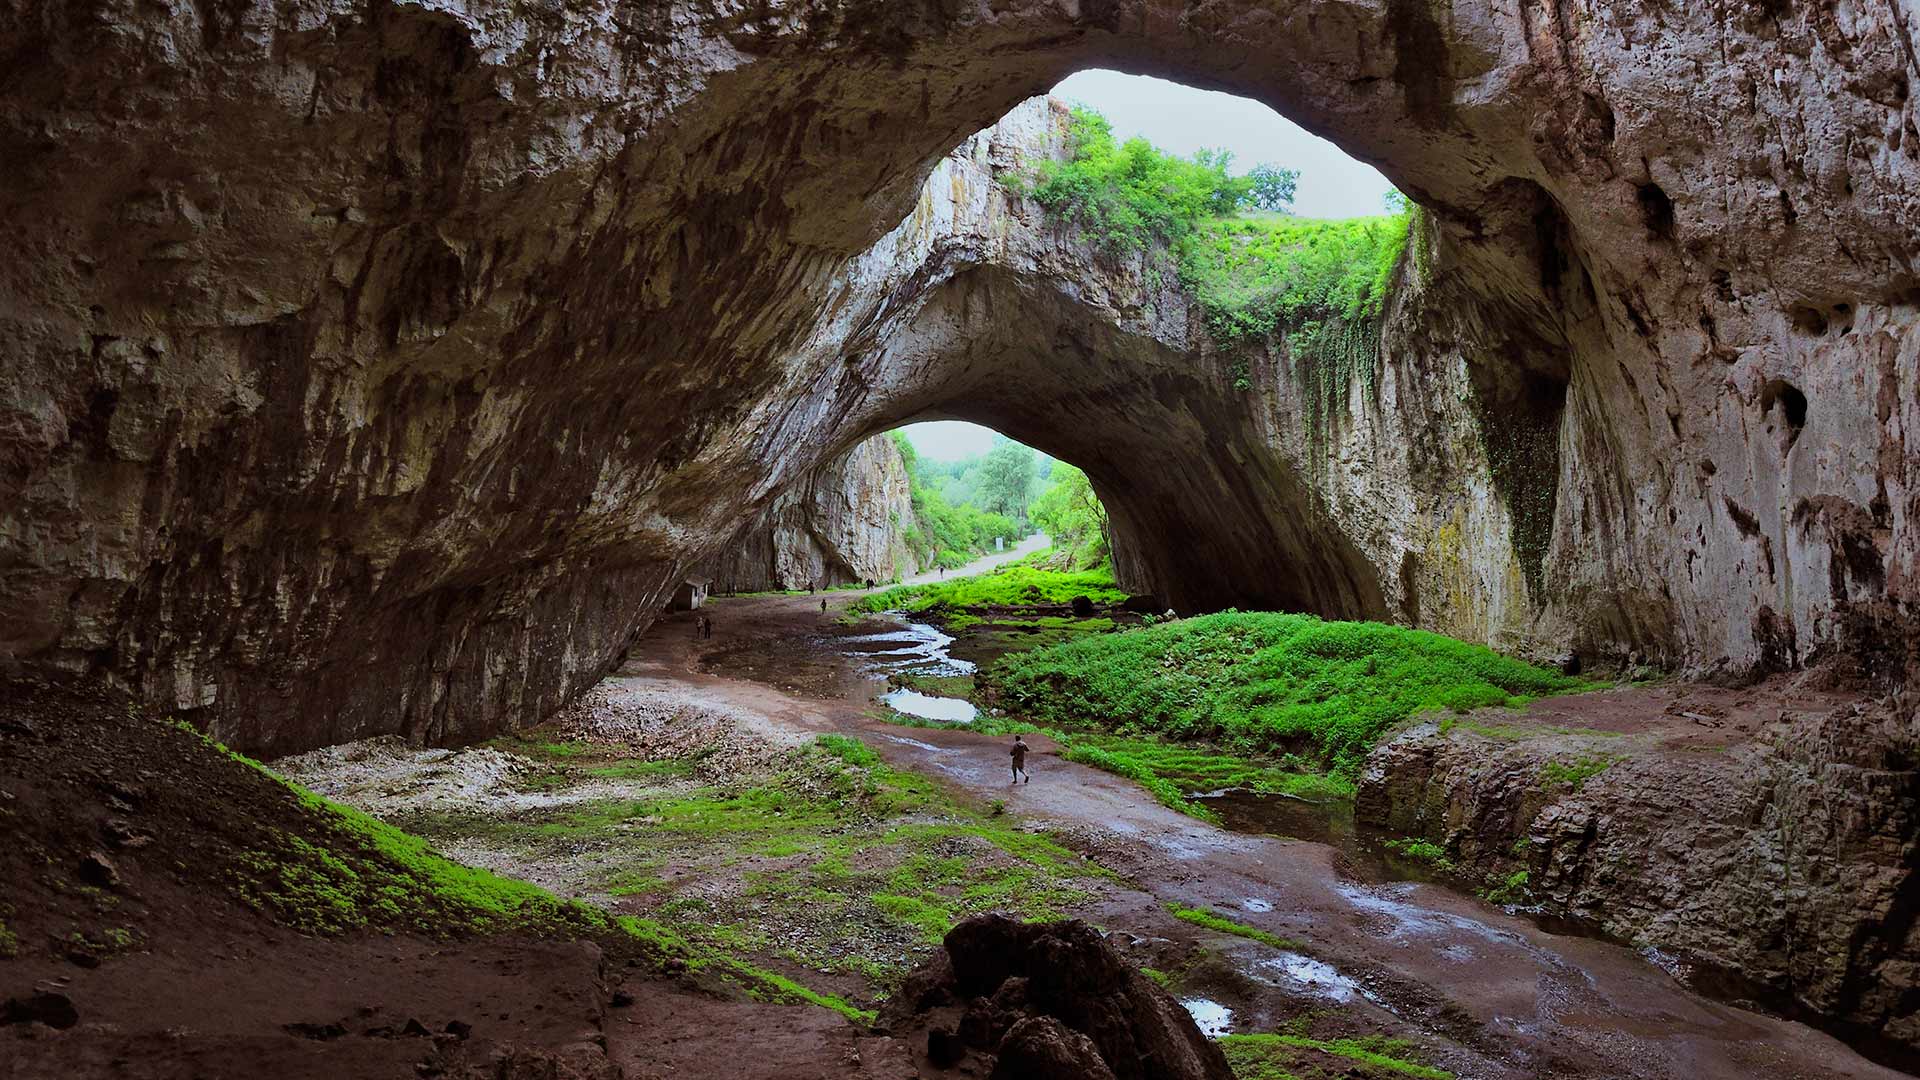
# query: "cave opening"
1223,252
384,374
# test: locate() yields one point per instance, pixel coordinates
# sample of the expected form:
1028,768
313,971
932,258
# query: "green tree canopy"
1006,480
1273,187
1070,513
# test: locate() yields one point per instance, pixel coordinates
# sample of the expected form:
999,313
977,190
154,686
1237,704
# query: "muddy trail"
1488,993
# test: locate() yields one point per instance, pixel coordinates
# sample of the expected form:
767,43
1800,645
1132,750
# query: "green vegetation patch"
1286,1057
1017,585
1171,772
1213,920
1511,889
1264,682
822,858
1425,851
1574,773
1257,271
329,869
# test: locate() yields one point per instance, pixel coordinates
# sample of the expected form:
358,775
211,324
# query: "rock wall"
1785,853
382,369
846,523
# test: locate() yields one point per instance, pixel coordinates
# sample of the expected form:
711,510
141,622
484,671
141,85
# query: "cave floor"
1328,948
1483,992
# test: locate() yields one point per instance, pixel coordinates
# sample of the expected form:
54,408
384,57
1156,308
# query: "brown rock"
1042,1048
97,870
1011,974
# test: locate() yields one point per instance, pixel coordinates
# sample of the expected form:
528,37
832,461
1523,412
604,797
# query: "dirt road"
985,563
1505,998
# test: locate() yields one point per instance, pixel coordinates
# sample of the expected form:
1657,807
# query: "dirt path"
984,563
1511,999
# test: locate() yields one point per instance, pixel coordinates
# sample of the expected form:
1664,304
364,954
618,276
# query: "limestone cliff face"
1787,858
373,369
846,522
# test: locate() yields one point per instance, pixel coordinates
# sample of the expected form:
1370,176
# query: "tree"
1006,480
1273,187
1396,201
1070,513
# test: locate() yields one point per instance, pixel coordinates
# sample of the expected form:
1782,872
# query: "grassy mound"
1018,585
1265,682
326,869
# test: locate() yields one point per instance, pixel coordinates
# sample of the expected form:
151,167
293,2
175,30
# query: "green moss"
558,749
333,869
1158,976
636,883
662,942
1212,920
669,768
1016,585
1253,682
1573,774
1511,889
1268,1057
9,941
1425,851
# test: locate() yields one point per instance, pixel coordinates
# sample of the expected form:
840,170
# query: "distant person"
1019,754
823,605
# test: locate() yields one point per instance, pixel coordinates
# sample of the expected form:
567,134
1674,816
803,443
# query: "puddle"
1410,920
1304,974
915,743
1254,903
914,649
1245,811
1213,1018
928,707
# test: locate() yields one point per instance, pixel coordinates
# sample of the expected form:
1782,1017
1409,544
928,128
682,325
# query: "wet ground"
1487,992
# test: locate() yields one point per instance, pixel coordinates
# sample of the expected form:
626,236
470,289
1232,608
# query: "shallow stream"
914,649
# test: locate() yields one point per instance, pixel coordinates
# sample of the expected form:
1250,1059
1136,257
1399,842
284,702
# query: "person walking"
1019,754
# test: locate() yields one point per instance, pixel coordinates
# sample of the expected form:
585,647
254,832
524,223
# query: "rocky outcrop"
1032,1001
1739,832
382,369
847,522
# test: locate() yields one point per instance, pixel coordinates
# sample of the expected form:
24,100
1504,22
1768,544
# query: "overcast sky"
1183,120
949,440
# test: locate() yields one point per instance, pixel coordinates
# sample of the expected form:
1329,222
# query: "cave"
404,372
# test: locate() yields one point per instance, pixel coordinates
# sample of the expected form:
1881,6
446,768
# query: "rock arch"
383,367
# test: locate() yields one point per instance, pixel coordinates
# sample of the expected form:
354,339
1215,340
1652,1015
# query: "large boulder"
1050,1000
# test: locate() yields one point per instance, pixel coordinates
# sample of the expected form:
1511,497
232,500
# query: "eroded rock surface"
845,523
380,370
1769,832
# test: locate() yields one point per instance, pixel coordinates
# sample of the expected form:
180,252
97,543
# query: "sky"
949,440
1183,120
